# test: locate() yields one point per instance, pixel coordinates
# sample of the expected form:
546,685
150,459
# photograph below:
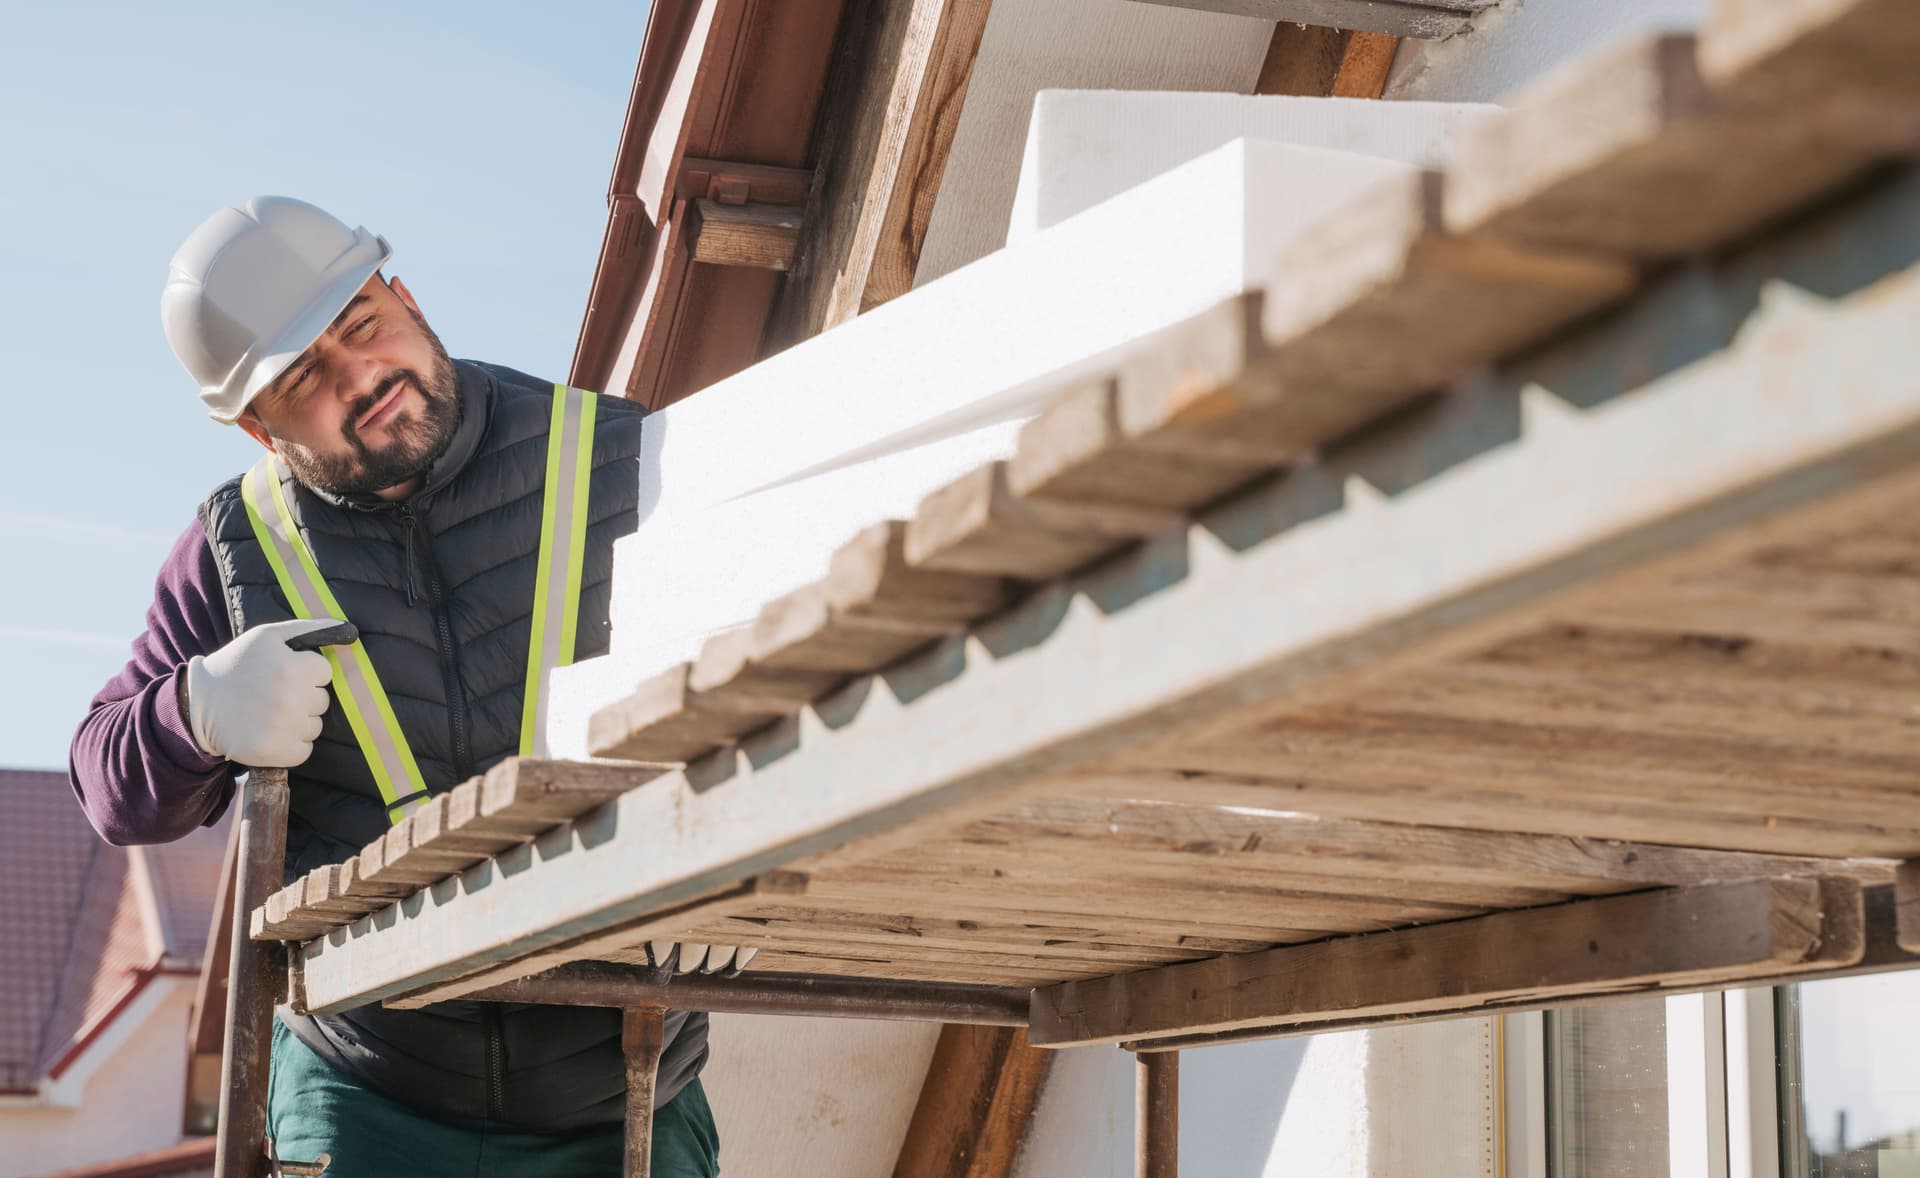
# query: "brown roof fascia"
724,102
136,983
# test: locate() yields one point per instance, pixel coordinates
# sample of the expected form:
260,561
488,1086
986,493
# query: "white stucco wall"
1518,40
1410,1100
814,1097
130,1104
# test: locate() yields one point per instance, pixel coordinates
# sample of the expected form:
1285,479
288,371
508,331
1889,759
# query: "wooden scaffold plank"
1053,685
1715,934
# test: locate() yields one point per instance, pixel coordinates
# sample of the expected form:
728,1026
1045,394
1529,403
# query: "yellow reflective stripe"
355,683
563,540
577,529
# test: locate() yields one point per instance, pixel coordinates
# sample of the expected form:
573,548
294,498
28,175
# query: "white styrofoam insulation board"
749,487
1034,45
1085,146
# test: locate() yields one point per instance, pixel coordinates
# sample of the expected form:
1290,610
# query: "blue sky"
477,137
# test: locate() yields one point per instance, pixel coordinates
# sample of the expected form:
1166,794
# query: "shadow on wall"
1231,1103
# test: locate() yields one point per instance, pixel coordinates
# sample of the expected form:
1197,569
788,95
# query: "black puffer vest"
441,588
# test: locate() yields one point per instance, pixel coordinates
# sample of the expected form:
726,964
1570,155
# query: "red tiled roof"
47,852
85,922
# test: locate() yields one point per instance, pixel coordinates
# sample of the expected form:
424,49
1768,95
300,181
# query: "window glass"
1607,1089
1850,1077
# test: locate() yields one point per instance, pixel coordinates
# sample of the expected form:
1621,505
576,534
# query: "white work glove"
257,702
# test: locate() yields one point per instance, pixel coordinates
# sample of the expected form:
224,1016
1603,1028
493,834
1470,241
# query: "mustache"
396,377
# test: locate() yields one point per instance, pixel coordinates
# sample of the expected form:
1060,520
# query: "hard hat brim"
270,358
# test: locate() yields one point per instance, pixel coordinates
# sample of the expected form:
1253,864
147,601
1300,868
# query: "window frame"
1724,1114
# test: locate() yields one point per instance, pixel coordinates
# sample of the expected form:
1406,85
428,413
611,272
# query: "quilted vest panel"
442,588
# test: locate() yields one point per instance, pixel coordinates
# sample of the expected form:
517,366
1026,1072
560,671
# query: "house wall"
814,1097
130,1103
1366,1104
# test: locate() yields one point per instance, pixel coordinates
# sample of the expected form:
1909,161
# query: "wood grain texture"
671,925
1312,60
662,720
761,236
1848,58
1192,413
1630,153
975,1104
943,42
979,524
1713,933
1386,268
872,609
1365,66
1906,901
1564,626
894,99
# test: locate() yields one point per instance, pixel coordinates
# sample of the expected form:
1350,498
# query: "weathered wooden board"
894,100
1710,934
981,1088
1387,268
1314,60
1847,63
762,236
1609,505
1632,153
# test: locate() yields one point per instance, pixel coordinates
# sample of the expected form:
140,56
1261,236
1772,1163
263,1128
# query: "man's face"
370,406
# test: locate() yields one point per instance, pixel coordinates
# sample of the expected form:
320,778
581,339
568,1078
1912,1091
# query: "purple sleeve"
134,764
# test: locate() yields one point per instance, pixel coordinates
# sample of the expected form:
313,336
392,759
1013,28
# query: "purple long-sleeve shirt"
134,763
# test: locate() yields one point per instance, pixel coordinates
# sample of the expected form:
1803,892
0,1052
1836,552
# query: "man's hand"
257,701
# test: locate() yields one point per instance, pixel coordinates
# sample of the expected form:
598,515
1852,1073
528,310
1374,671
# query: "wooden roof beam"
887,126
762,236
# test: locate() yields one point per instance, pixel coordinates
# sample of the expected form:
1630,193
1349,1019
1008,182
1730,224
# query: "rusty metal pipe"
643,1036
599,983
256,979
1156,1115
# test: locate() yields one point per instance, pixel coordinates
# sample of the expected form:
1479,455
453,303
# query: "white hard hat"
254,286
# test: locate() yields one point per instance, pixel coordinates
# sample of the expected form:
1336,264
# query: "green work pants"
312,1108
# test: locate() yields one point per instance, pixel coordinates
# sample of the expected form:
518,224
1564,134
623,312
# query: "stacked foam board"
748,487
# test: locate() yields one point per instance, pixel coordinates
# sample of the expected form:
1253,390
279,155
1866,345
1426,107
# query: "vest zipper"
496,1066
443,630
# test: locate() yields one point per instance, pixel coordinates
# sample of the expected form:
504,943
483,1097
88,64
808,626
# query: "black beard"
419,439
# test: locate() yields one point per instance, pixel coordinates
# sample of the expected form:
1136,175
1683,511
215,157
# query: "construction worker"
410,494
